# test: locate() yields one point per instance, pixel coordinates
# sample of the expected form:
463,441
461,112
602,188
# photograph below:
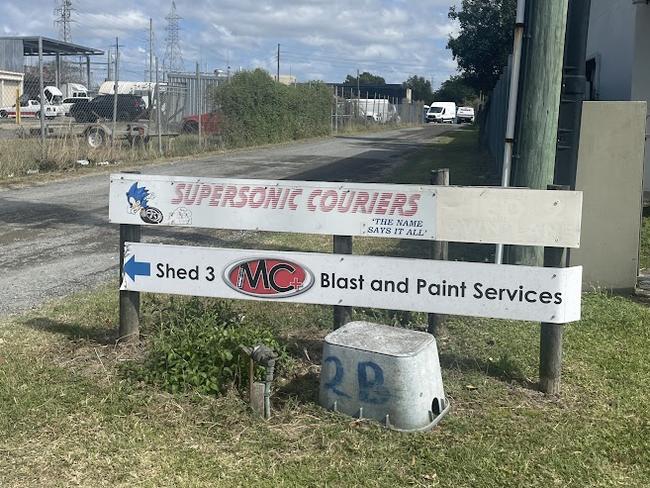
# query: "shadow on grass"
303,386
73,331
302,389
503,369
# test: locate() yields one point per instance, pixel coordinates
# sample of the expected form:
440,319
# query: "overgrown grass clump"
194,344
258,110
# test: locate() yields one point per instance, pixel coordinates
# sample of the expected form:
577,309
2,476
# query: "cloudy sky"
320,39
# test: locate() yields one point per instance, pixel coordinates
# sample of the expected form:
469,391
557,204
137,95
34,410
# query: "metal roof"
52,47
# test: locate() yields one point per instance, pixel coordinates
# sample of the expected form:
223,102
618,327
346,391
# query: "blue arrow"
135,268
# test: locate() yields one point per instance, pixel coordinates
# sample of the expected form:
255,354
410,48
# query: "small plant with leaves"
194,345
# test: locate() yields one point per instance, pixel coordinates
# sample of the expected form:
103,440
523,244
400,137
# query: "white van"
465,114
442,112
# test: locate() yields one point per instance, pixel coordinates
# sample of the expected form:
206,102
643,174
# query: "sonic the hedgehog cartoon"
138,199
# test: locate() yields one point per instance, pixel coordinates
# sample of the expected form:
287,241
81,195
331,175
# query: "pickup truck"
32,108
210,123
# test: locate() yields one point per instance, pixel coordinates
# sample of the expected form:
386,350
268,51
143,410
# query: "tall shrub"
258,110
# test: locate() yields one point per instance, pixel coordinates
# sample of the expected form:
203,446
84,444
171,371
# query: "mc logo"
268,277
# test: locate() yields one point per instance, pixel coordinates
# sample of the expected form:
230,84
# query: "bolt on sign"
462,214
447,287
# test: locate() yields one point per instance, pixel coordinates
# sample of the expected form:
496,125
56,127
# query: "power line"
354,63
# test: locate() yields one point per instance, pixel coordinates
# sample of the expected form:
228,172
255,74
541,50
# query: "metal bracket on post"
129,330
440,251
550,341
342,314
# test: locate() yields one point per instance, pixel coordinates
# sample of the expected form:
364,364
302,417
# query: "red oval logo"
268,277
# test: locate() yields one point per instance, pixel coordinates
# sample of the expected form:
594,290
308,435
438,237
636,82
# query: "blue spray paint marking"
372,390
338,376
370,377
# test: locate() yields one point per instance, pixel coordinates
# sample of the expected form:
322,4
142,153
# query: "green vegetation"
257,110
195,345
365,78
457,89
70,416
23,156
484,40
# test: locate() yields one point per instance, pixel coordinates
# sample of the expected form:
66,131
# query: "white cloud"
320,38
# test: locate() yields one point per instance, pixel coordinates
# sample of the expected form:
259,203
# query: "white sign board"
448,287
461,214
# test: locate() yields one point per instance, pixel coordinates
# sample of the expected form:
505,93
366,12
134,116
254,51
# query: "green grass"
69,417
644,260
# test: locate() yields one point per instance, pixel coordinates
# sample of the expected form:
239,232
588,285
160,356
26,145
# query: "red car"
210,123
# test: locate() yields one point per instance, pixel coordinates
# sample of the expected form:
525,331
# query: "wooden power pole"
540,104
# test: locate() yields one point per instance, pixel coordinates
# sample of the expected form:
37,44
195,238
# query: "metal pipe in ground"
158,113
42,92
512,106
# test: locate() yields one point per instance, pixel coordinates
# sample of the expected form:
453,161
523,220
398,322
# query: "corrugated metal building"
11,55
197,94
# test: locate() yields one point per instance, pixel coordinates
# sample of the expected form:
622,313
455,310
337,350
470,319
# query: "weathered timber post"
550,338
440,251
129,330
342,314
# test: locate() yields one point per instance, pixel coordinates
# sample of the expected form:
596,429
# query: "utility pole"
277,78
537,143
573,93
540,104
150,49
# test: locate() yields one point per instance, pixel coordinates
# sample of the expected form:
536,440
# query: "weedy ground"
69,416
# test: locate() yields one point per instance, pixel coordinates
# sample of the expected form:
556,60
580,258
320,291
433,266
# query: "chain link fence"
493,118
354,109
74,127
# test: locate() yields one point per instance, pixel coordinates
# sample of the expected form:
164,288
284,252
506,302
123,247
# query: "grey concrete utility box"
384,373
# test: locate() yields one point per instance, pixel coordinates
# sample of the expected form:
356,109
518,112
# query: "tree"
482,47
456,89
420,88
365,78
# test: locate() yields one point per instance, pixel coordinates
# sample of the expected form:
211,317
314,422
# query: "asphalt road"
55,238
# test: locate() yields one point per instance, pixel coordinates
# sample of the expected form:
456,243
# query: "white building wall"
611,42
9,83
641,75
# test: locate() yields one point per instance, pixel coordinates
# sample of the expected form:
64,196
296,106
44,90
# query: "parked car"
442,112
129,107
69,102
31,109
210,123
465,114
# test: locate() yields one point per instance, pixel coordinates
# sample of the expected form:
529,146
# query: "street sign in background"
447,287
461,214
